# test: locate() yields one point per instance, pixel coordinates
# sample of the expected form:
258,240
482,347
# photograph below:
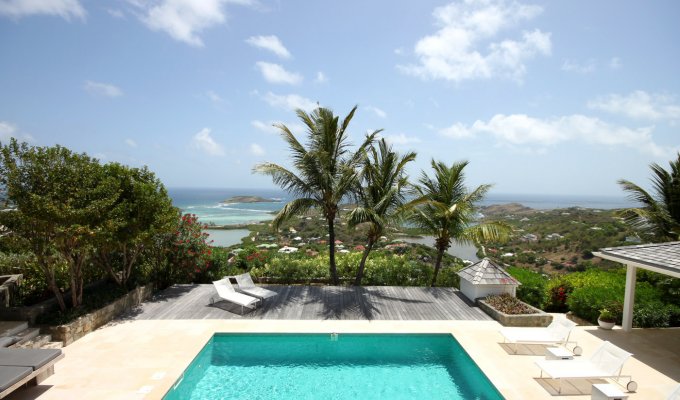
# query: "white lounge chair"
605,363
556,333
246,285
227,292
675,395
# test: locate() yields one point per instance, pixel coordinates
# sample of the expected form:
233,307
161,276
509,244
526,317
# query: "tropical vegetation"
445,208
325,170
658,218
380,196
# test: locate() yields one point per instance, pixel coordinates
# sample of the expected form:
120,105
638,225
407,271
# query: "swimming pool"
330,366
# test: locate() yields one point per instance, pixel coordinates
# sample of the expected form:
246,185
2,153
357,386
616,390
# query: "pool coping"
141,359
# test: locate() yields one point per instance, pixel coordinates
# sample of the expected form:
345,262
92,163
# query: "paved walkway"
316,303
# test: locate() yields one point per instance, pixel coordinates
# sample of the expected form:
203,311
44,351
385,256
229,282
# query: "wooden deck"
315,303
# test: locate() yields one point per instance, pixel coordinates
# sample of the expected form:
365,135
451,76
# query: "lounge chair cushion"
33,358
11,375
7,341
246,285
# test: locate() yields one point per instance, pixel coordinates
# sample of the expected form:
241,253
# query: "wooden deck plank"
315,303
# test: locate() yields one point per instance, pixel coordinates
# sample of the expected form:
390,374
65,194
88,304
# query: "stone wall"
539,319
73,331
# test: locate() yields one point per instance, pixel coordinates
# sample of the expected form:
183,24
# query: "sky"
541,97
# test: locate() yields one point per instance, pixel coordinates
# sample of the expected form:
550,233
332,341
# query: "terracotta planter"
606,325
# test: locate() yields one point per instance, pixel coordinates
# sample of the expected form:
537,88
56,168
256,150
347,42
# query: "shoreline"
510,208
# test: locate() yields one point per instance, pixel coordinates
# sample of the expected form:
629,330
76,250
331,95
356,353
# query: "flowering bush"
190,251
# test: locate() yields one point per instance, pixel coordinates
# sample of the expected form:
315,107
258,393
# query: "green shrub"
655,314
382,269
532,289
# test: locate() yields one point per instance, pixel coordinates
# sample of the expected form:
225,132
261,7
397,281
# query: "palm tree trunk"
362,264
331,250
437,265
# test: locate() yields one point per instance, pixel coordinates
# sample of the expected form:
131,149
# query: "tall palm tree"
380,195
659,216
447,210
326,170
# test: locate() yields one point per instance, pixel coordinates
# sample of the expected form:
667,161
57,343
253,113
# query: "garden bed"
532,316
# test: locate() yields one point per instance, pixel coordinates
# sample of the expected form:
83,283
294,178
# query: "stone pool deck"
137,358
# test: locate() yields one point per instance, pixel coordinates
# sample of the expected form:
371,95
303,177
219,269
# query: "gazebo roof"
658,257
485,272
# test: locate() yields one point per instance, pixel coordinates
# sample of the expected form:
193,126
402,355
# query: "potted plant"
606,320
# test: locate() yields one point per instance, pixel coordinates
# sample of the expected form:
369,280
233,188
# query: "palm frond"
292,208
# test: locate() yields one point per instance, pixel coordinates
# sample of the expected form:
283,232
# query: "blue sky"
541,97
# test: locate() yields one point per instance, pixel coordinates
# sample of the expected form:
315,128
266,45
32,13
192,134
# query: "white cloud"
271,43
380,113
8,131
274,73
63,8
131,143
289,102
399,51
214,97
573,66
520,129
615,63
401,139
256,149
457,131
204,142
264,127
102,89
183,20
454,52
639,105
115,13
321,77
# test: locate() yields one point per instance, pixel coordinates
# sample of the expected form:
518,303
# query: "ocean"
206,203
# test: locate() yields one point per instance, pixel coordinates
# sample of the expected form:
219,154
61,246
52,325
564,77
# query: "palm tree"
444,208
379,195
659,216
326,170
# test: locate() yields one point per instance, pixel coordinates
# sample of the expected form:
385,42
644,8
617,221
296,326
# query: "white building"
485,278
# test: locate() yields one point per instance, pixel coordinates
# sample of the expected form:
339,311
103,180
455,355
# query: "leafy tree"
444,208
60,198
379,194
659,216
325,170
142,211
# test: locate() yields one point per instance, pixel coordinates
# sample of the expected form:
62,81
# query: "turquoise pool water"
319,366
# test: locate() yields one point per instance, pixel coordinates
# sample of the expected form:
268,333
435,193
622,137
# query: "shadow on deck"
314,303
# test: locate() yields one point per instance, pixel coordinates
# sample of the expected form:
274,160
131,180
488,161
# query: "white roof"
658,257
485,272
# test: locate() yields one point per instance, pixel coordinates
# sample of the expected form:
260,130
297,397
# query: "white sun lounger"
556,333
675,395
227,292
246,285
605,363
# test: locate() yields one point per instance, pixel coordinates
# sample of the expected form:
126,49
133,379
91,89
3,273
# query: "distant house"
595,228
554,236
529,237
525,219
633,239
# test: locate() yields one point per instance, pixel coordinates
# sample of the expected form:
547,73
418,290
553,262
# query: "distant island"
247,199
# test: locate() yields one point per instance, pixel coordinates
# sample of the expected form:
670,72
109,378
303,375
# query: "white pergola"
663,258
